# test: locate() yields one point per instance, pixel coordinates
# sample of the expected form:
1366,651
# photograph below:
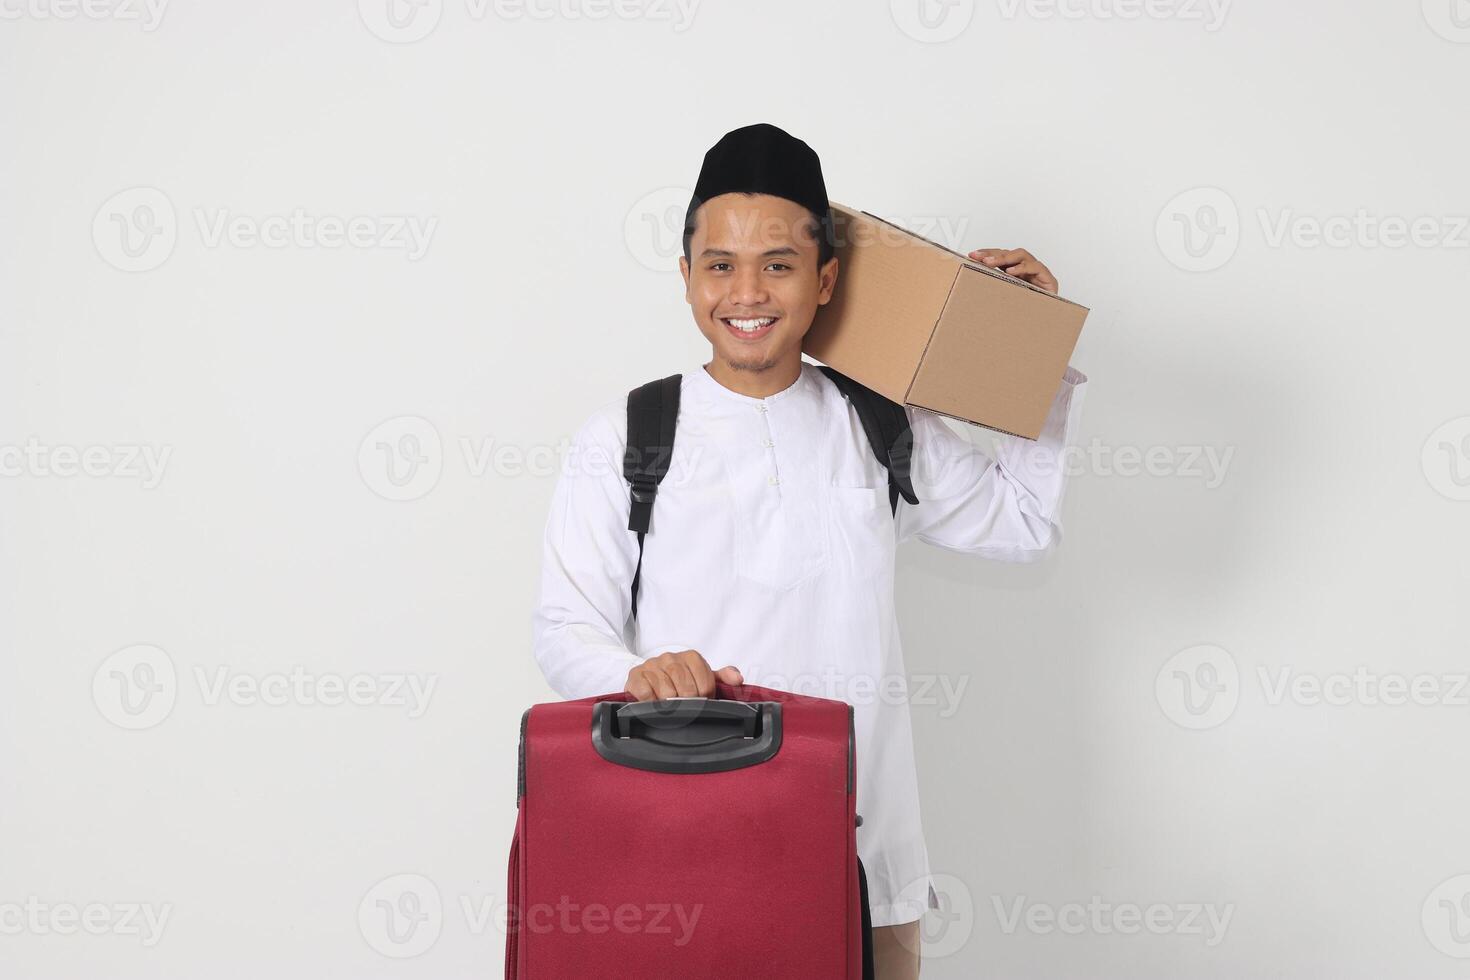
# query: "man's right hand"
684,674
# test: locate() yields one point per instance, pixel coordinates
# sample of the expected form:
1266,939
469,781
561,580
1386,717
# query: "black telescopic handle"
688,721
686,735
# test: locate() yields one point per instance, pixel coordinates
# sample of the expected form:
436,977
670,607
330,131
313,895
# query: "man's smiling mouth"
749,327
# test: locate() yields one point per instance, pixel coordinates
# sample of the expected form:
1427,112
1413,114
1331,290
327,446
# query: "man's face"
752,280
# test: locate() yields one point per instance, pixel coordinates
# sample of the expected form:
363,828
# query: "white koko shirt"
772,549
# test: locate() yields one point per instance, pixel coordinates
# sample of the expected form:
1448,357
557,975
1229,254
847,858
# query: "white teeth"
750,326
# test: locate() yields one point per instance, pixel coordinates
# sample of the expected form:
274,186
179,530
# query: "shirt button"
761,409
772,480
768,442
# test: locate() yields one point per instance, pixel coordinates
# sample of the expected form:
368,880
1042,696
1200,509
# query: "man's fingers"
1000,256
1034,272
1017,262
730,675
704,678
639,687
686,682
662,683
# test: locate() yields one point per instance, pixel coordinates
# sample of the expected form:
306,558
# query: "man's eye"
719,267
779,267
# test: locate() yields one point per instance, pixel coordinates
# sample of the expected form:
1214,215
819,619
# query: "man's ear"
826,281
684,271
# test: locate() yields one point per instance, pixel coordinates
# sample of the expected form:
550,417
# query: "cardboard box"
928,327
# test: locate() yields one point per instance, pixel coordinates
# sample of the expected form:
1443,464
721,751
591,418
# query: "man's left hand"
1019,263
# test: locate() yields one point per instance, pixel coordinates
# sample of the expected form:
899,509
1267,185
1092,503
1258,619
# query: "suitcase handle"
687,735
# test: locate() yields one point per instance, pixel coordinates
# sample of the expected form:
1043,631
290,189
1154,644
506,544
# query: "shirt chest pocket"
860,528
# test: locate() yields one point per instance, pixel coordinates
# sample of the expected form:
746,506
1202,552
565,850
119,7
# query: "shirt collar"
706,382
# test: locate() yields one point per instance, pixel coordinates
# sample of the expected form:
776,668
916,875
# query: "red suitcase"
688,839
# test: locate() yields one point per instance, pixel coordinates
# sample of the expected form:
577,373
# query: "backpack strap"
887,426
653,414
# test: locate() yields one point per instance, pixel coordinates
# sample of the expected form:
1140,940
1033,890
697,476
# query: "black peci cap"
762,159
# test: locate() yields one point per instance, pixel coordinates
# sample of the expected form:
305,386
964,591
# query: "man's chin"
750,360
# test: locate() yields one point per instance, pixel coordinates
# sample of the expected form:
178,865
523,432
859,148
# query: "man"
772,547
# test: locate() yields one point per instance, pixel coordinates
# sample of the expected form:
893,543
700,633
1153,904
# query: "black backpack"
653,415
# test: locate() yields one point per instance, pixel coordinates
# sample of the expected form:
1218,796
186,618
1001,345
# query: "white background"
1083,763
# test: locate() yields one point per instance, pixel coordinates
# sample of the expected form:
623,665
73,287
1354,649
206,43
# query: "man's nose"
748,288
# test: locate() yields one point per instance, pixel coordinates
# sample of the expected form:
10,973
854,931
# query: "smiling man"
772,549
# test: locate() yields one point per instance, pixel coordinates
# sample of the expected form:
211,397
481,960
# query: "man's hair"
822,226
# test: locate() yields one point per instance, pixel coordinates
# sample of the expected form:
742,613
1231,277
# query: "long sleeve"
588,556
1006,508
